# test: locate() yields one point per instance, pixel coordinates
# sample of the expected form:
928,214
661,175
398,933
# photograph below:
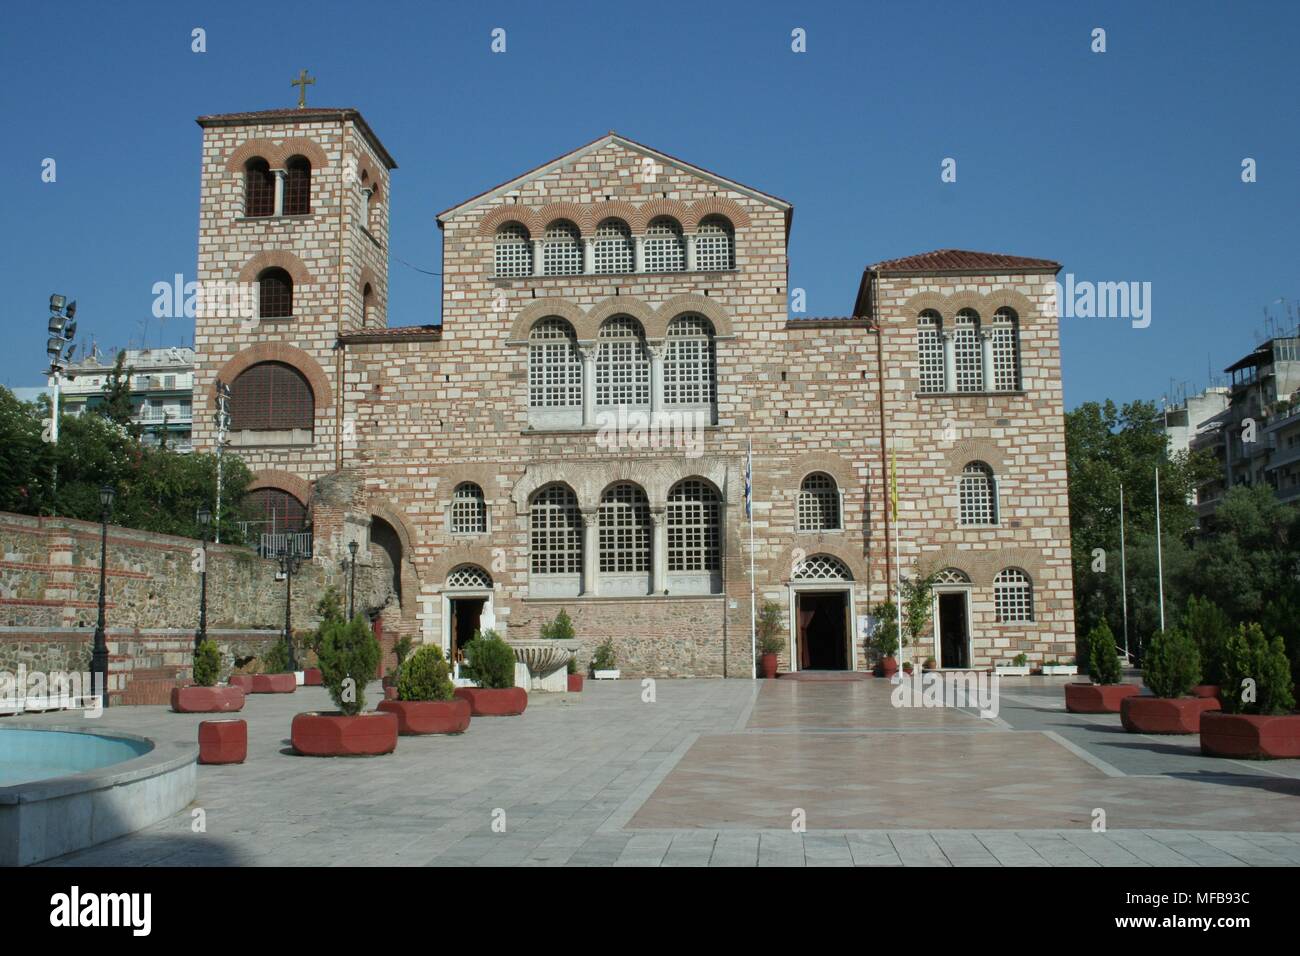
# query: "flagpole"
749,510
1123,569
898,558
1160,565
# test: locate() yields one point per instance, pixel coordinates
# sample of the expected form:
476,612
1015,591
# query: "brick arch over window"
276,152
498,216
838,468
733,212
454,556
975,449
556,211
539,309
985,304
589,326
647,212
598,212
276,259
690,302
983,566
781,567
322,392
656,477
300,488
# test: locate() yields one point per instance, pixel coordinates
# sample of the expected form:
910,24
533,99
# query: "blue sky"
1124,166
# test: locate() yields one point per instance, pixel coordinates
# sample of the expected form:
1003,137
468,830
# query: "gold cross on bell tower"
302,83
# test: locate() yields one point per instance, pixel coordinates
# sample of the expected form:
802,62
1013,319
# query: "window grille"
259,189
297,187
715,247
271,396
819,503
694,517
1013,596
562,250
821,567
555,532
554,366
514,251
1006,351
614,251
275,294
469,576
967,353
689,362
622,364
665,249
977,495
468,510
624,529
929,352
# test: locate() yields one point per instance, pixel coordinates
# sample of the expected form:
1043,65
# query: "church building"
616,346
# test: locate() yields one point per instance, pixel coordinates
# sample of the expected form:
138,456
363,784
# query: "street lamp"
352,582
99,657
62,327
204,517
289,563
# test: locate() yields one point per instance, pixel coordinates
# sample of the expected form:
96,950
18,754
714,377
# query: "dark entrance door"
465,613
823,635
954,643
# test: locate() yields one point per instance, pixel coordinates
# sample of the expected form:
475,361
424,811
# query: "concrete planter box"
1060,670
339,735
274,684
223,741
415,717
1206,690
1097,698
312,677
1250,735
243,681
1164,715
605,675
1011,670
207,700
492,702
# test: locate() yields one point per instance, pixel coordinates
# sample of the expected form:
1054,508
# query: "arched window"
614,251
665,248
952,576
694,517
622,363
271,396
1013,596
513,251
929,351
469,576
821,567
297,186
624,529
554,366
368,316
259,188
1006,351
715,245
977,495
967,357
562,249
274,294
370,194
555,527
689,362
819,503
273,511
468,509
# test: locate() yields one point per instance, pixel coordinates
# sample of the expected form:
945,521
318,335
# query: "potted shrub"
1210,628
1055,668
769,637
426,702
1019,667
1104,694
602,662
1257,719
1171,667
400,651
930,664
276,678
203,696
328,608
491,663
886,637
348,655
907,667
574,678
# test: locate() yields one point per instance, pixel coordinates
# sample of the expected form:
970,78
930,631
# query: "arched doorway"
467,607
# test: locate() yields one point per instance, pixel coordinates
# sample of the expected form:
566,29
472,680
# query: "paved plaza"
715,772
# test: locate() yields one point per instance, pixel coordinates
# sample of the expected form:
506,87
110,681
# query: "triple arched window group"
269,192
966,354
562,250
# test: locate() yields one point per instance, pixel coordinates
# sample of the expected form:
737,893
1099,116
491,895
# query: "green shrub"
1171,666
571,665
604,659
348,655
1210,628
402,648
1250,656
491,660
207,663
1103,658
276,658
1020,660
769,626
425,676
558,628
886,635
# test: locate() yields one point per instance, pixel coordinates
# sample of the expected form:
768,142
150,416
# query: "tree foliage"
1171,666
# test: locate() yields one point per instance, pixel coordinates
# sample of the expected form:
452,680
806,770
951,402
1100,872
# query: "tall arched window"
977,495
967,353
715,245
259,188
929,351
624,529
274,294
622,363
368,315
554,366
513,253
1006,350
273,511
562,249
271,396
468,509
555,531
1013,596
694,517
297,186
614,251
689,362
665,248
819,503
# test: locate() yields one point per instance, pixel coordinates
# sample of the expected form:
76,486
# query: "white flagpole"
1160,566
753,599
1123,569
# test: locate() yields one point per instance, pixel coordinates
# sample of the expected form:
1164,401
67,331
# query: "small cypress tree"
425,676
1171,666
1257,675
348,655
558,628
207,663
1210,628
1103,657
491,660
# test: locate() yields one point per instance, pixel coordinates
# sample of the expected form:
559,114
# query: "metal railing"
271,544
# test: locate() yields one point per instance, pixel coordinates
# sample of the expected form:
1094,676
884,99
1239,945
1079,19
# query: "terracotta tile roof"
308,114
964,261
400,333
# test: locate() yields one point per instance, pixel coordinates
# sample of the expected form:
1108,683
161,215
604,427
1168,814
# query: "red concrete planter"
312,677
1250,735
575,683
207,700
390,693
338,735
243,681
768,663
491,702
429,716
274,683
1164,715
1206,690
223,741
1097,698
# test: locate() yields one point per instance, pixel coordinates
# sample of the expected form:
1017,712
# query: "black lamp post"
352,579
204,516
289,562
99,656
